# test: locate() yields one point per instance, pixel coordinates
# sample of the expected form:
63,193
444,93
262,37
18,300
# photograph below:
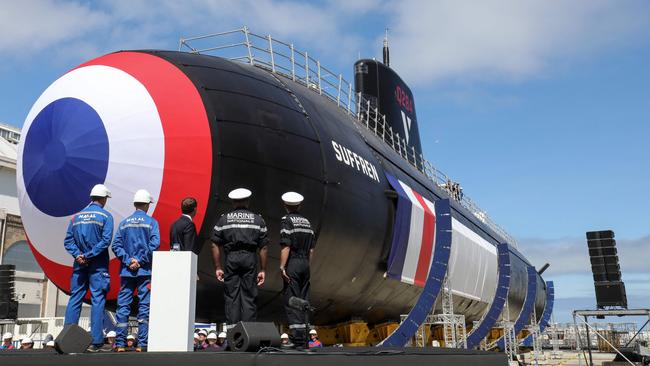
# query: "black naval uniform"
296,233
240,234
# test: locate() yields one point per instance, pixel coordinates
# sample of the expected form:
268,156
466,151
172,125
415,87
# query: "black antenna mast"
386,53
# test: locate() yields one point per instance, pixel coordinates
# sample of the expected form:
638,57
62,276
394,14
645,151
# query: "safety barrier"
37,328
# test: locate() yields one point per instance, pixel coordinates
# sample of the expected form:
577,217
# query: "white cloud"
29,26
571,255
430,40
512,39
77,30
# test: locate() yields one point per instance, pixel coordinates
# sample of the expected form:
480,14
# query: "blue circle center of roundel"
64,156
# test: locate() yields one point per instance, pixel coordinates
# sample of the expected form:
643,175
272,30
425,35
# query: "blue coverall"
89,234
137,238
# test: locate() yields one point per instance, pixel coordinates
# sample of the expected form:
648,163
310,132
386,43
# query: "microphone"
299,304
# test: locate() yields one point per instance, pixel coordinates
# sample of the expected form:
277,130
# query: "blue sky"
541,110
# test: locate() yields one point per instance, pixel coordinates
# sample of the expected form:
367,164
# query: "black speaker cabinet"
72,339
7,272
603,234
8,309
610,294
251,336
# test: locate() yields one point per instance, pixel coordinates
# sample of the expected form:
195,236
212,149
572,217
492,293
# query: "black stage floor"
326,356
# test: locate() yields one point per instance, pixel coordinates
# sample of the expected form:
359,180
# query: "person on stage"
89,234
182,233
137,237
297,241
241,235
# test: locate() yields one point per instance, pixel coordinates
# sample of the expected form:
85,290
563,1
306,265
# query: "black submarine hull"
246,127
273,135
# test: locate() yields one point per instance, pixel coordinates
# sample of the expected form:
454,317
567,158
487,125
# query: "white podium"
173,301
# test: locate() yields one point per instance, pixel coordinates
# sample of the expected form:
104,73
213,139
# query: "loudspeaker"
607,277
603,256
603,234
610,294
72,339
603,251
251,336
6,292
599,243
8,309
7,267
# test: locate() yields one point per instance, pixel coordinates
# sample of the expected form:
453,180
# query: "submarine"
189,123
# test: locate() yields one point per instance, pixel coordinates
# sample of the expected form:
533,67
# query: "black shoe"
94,348
288,346
106,348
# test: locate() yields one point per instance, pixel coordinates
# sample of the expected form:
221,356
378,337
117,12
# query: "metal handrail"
284,59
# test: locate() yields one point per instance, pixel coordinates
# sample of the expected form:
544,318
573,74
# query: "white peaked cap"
142,196
292,198
203,332
223,335
212,336
100,190
313,331
7,336
26,340
130,336
111,334
239,194
196,336
284,336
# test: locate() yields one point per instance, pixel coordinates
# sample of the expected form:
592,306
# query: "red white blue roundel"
128,120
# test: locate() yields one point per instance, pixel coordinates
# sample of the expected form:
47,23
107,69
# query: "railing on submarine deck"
284,59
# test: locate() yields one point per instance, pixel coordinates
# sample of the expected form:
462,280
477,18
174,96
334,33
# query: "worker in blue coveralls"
89,234
136,239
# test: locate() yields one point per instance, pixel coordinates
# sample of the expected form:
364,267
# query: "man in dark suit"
182,233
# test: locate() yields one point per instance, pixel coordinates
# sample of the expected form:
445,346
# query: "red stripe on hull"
426,248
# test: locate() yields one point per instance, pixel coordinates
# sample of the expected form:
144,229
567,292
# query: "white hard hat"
100,190
26,340
223,335
292,198
130,336
239,194
212,335
7,336
284,336
313,331
203,332
111,334
49,344
142,196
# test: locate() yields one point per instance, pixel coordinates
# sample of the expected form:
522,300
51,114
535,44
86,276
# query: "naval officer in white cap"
297,241
241,235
